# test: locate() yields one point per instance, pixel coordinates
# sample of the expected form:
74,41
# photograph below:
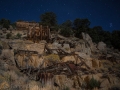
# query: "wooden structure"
38,33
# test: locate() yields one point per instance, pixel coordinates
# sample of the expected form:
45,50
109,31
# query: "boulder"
17,44
66,48
55,45
39,47
113,80
80,46
83,55
105,84
89,63
101,46
69,58
88,39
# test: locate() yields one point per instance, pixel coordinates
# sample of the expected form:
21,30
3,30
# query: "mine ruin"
59,62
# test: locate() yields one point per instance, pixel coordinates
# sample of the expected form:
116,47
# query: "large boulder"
39,47
88,39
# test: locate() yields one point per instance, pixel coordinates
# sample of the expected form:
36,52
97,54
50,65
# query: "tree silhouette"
66,28
80,25
116,39
48,18
5,23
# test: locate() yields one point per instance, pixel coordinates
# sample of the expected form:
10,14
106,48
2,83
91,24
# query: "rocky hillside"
62,64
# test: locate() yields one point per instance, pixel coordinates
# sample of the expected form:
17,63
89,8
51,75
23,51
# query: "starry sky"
105,13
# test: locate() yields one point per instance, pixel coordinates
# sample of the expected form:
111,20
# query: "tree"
67,23
80,25
116,39
5,23
48,18
66,28
96,33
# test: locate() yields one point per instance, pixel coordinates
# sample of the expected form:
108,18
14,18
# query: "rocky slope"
64,64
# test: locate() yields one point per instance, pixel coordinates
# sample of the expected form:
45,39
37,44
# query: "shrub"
66,31
66,88
93,83
18,35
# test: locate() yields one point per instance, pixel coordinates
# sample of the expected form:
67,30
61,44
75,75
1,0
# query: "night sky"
105,13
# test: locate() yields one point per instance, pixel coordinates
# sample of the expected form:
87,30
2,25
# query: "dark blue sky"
105,13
